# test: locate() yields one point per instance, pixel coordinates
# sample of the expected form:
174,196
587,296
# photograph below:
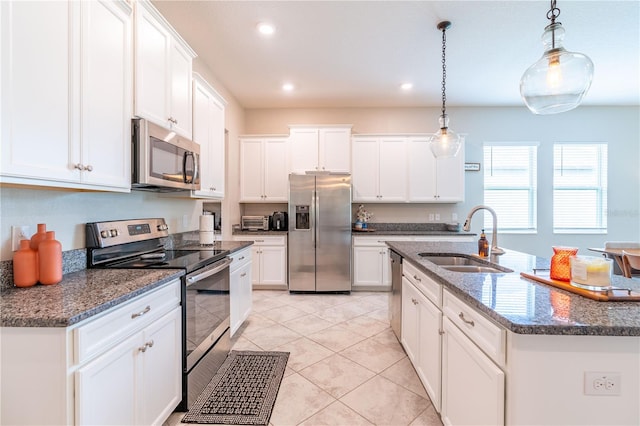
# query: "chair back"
630,262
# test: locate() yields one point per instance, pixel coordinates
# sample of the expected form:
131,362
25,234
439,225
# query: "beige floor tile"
271,337
268,304
346,311
336,414
283,313
375,353
381,315
255,322
382,402
364,325
428,417
307,324
298,399
303,353
402,373
243,344
337,375
336,338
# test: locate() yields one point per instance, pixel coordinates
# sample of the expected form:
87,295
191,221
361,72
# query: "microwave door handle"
185,178
196,169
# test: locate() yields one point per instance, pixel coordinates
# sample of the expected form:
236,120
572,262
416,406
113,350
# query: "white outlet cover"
18,233
602,383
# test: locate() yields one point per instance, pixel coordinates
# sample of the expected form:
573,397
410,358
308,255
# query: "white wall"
618,126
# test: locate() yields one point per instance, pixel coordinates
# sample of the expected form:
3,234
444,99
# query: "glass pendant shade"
558,81
445,142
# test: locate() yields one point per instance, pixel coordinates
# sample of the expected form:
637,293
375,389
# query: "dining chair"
619,245
631,264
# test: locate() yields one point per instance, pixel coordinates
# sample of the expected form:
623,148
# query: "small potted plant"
362,217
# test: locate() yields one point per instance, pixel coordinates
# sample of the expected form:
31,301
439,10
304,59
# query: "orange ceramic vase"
50,259
560,266
39,236
25,265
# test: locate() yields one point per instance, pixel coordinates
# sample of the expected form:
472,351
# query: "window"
510,185
580,188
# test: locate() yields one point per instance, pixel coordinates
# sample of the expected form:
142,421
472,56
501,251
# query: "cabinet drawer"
483,332
431,289
99,334
240,258
378,240
262,240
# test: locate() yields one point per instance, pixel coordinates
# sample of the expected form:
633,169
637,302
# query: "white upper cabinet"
263,169
163,72
208,131
67,124
434,180
320,148
379,169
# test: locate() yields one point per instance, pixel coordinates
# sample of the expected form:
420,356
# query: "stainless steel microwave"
163,161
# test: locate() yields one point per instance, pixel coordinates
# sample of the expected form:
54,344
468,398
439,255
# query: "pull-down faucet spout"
494,236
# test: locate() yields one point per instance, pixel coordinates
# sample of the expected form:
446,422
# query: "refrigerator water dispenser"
302,218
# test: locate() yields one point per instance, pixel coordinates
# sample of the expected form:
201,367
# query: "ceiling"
357,53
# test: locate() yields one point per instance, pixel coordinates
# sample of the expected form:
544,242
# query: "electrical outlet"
438,216
18,233
431,217
601,383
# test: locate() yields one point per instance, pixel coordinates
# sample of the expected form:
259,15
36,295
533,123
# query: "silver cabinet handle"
259,241
78,166
441,332
88,168
146,346
141,313
466,321
414,301
241,258
244,274
417,278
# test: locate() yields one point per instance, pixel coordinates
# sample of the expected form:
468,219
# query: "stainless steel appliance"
395,301
140,243
162,161
320,232
254,223
279,221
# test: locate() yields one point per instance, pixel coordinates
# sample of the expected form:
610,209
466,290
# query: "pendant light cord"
444,70
552,14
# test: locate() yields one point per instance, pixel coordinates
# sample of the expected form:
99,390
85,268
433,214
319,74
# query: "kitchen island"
507,350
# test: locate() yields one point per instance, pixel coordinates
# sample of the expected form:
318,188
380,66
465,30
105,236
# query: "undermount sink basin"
463,263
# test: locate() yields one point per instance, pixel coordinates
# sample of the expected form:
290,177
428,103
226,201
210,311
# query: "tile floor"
345,366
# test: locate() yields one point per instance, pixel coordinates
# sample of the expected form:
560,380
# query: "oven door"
207,309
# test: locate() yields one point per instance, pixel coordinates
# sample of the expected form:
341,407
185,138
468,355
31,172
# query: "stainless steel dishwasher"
395,301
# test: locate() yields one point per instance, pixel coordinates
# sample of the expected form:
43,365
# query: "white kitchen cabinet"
163,71
371,262
208,131
379,169
264,169
434,180
320,148
79,134
240,288
122,366
268,260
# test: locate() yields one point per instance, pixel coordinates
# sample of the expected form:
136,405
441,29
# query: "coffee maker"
279,221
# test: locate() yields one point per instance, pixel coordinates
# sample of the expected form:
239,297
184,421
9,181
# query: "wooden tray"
614,295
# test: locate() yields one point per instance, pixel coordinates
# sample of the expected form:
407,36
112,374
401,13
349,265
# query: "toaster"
254,223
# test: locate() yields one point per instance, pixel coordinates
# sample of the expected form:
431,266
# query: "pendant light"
445,142
558,81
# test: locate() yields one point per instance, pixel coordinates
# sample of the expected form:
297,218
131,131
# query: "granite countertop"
374,231
524,306
78,296
275,233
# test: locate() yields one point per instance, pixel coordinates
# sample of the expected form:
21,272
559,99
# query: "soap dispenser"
483,245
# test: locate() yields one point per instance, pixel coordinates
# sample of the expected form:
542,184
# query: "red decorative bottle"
50,259
560,266
25,265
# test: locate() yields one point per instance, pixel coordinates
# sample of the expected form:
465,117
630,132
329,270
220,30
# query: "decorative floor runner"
243,391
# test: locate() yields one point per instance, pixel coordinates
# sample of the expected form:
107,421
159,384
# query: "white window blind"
510,185
579,187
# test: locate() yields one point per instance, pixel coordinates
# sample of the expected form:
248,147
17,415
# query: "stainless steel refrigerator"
320,232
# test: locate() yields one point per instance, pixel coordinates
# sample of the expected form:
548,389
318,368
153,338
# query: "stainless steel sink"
463,263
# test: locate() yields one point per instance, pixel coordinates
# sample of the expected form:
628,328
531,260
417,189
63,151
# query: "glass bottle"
560,266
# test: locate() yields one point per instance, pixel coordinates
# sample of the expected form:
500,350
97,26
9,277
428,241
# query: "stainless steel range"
142,243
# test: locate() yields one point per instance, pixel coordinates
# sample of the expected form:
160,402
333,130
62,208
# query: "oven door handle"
219,266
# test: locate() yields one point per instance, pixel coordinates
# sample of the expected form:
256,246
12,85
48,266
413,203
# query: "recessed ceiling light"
266,29
406,86
287,87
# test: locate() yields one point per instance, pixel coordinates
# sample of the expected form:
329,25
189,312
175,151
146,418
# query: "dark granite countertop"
78,296
274,233
524,306
439,233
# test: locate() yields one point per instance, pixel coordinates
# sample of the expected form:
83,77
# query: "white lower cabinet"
240,288
268,260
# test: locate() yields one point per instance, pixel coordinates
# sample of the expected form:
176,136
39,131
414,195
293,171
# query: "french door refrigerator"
320,232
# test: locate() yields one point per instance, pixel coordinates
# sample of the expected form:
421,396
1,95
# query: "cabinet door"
304,150
273,265
251,170
106,96
450,178
334,149
368,264
472,385
180,86
106,388
152,70
37,96
160,376
235,295
429,348
410,321
393,170
256,261
276,176
421,170
364,166
246,299
217,151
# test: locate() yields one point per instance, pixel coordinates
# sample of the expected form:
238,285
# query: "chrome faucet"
494,236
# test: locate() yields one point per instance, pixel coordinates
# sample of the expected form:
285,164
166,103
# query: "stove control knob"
114,233
104,233
163,227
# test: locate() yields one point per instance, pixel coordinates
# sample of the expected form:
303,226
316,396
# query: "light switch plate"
21,232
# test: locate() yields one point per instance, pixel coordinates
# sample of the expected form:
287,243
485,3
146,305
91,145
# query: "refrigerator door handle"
316,215
312,218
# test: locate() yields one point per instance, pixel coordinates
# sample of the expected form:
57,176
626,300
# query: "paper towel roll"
206,222
206,237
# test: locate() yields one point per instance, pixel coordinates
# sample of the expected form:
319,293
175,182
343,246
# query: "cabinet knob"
88,168
78,166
